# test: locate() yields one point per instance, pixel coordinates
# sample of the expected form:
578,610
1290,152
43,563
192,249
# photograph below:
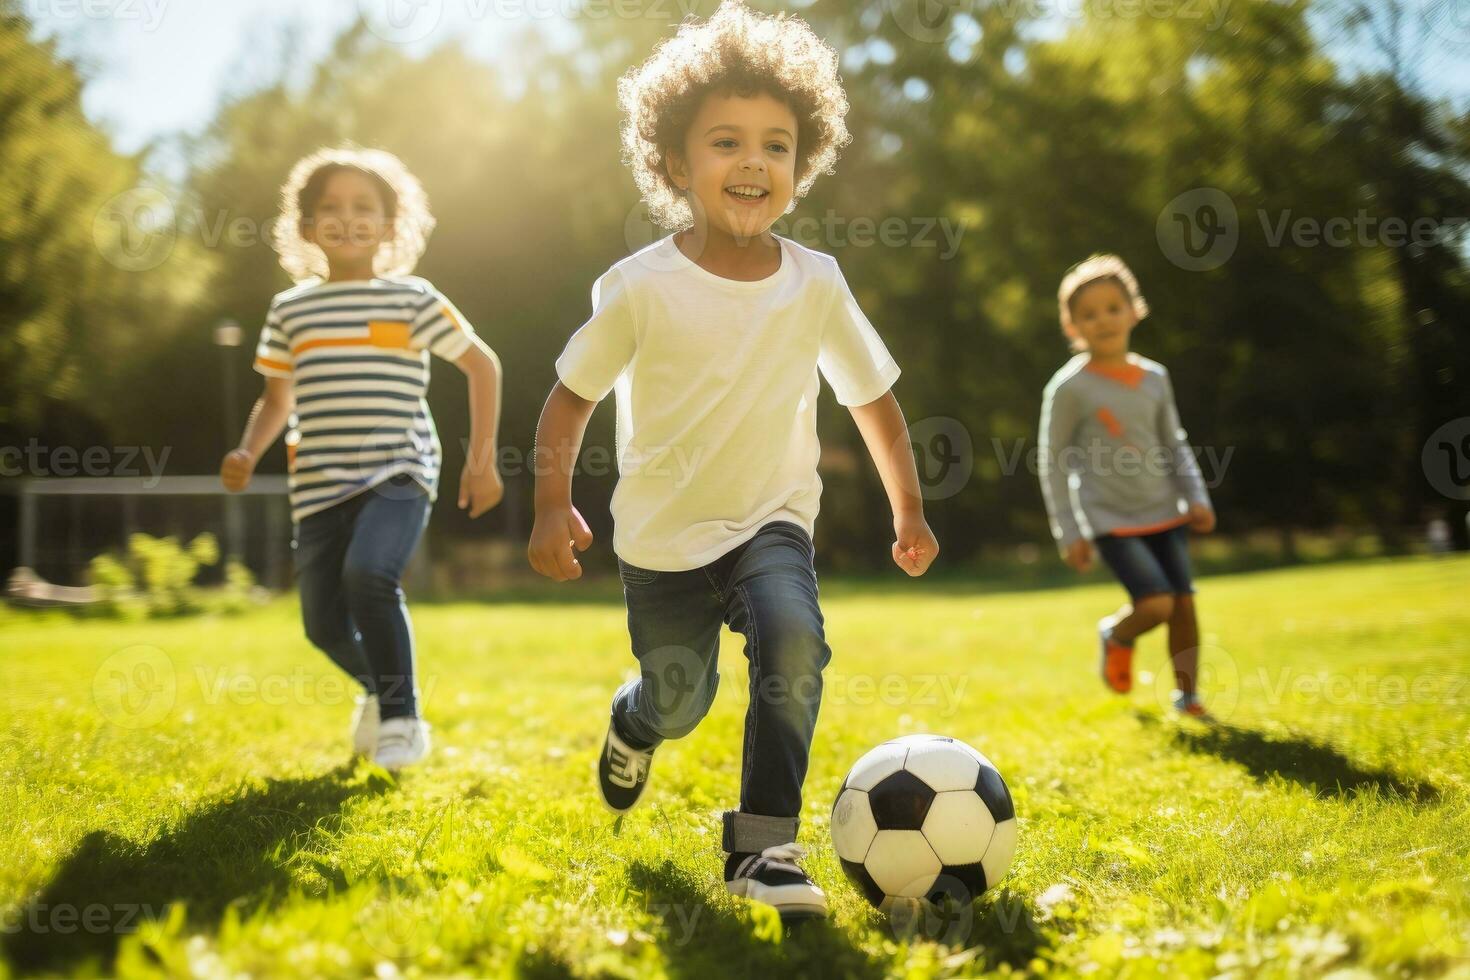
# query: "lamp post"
227,336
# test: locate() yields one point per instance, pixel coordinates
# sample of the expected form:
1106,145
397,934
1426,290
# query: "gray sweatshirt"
1114,458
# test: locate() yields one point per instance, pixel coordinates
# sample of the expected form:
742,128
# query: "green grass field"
180,799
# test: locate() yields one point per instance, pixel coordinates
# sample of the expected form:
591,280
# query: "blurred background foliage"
1321,369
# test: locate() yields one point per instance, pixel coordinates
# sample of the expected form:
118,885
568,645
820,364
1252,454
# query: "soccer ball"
924,817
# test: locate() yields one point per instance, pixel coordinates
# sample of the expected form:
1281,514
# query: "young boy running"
713,340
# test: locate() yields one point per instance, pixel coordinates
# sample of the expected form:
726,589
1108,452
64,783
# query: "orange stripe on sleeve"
266,362
449,312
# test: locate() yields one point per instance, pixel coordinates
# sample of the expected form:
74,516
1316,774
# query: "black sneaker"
622,772
773,878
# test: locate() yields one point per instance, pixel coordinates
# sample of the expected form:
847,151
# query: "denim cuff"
751,833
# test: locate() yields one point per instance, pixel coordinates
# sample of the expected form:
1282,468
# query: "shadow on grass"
701,939
1314,765
1006,931
229,849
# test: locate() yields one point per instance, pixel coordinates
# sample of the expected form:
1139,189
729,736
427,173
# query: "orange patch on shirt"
266,362
1107,418
1126,374
389,333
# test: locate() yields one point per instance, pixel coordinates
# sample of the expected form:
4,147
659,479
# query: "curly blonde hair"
739,51
404,203
1099,267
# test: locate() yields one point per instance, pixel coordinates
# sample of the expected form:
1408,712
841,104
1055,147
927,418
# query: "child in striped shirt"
345,355
1118,474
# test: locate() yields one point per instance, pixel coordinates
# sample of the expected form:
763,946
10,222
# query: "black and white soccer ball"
924,817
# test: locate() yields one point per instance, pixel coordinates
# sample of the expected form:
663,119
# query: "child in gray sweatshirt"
1118,474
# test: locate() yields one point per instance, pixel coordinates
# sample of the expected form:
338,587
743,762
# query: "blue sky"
160,67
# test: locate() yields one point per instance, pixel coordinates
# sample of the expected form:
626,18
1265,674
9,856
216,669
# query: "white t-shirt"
716,385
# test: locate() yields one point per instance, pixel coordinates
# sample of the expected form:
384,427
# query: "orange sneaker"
1116,666
1191,705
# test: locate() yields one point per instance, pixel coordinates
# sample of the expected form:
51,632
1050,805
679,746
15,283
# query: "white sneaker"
401,742
365,725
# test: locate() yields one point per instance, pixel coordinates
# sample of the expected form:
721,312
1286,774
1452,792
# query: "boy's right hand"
1079,554
558,530
236,470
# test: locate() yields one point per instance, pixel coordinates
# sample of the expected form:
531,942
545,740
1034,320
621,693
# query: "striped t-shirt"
357,354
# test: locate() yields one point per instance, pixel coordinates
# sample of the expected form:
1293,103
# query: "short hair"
1097,268
739,51
404,202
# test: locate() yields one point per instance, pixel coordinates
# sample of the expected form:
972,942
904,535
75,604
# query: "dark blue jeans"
765,589
349,562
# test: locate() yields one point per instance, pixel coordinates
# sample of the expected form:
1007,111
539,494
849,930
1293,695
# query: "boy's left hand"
479,489
1201,519
915,548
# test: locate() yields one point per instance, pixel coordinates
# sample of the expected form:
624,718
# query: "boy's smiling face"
1103,317
349,221
739,162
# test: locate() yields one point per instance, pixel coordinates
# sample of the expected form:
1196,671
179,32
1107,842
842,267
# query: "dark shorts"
1149,564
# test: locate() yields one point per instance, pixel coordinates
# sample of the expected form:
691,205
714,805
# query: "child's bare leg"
1184,642
1143,615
